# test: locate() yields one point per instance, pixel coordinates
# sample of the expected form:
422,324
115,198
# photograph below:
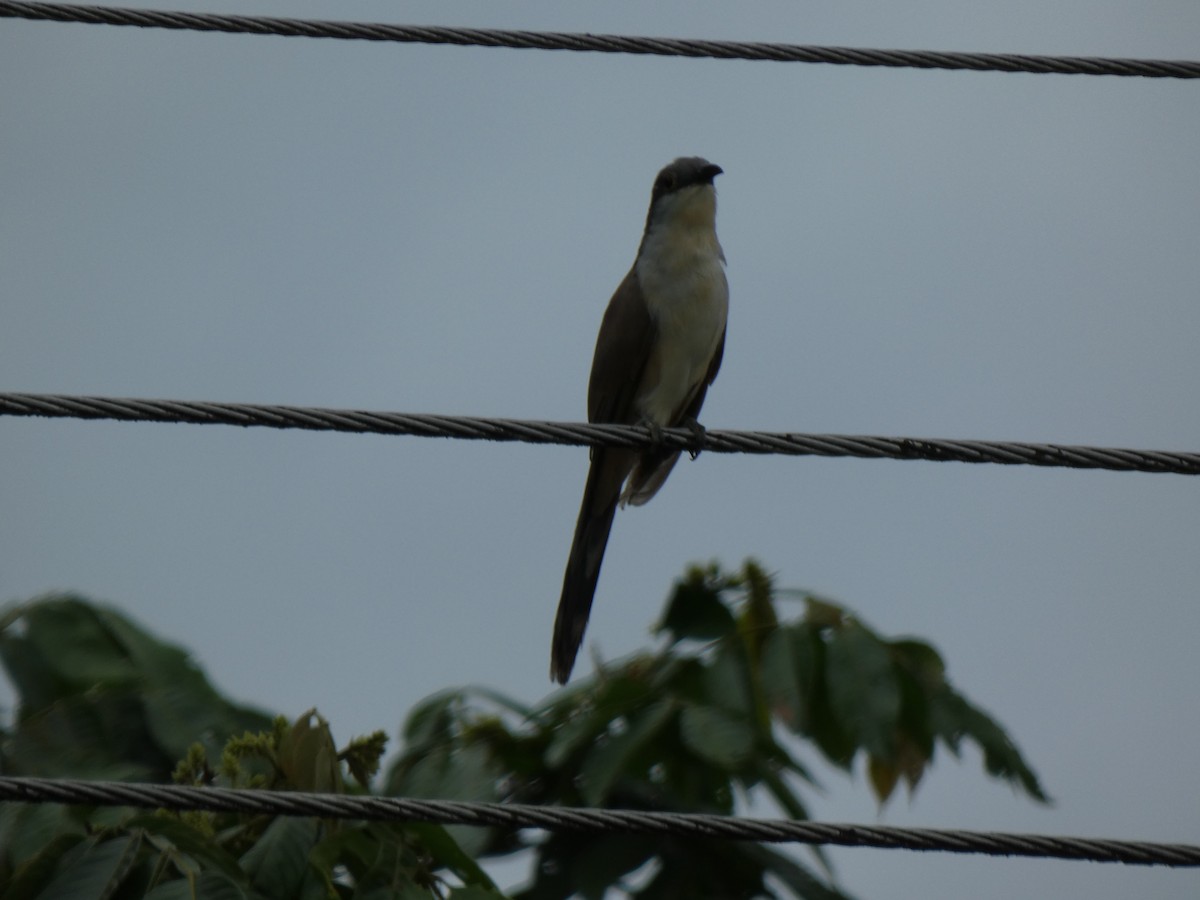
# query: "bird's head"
684,195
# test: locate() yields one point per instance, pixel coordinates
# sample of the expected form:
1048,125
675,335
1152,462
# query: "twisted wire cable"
601,43
505,815
584,434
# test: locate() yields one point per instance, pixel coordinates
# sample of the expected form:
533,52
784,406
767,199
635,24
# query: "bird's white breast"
681,271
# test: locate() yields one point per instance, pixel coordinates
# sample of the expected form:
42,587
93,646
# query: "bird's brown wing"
623,346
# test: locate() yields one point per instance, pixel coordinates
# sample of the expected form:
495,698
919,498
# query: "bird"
660,346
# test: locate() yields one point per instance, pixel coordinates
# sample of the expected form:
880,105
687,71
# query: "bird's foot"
698,433
656,434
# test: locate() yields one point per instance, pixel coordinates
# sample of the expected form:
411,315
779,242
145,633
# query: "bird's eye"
666,182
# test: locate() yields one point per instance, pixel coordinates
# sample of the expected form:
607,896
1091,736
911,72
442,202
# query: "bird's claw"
656,434
698,434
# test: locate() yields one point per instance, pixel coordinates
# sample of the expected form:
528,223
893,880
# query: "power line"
580,434
516,815
602,43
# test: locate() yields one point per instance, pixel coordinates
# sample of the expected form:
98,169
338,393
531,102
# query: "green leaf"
611,759
921,659
914,735
502,700
802,882
210,885
792,805
430,720
953,717
181,704
308,756
278,862
603,860
679,729
863,692
822,613
363,755
100,734
154,659
883,777
757,618
455,772
102,698
190,710
93,869
716,736
590,705
405,892
723,869
695,611
470,773
36,870
448,853
373,853
186,847
786,695
827,733
96,657
32,675
25,828
179,889
574,734
727,681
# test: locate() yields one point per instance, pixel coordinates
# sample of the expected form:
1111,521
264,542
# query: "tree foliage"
720,712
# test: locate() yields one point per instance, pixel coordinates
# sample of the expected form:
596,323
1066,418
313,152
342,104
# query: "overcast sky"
435,229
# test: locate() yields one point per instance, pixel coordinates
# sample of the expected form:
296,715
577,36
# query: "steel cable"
583,434
601,43
504,815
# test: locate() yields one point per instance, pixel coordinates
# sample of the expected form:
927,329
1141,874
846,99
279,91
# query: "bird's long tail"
608,470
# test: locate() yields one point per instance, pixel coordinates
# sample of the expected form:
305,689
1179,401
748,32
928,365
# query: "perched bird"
659,348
